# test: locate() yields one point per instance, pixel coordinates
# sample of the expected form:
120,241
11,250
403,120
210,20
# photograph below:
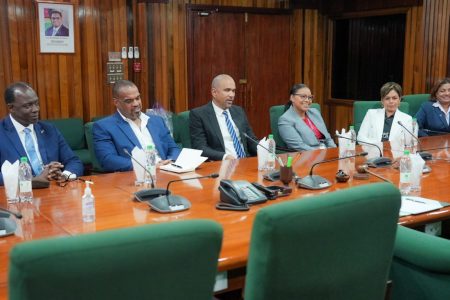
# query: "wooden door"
254,48
215,46
268,67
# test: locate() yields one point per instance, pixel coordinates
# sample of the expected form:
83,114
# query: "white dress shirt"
227,139
142,134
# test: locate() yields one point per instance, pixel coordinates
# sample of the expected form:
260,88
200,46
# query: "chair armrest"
422,250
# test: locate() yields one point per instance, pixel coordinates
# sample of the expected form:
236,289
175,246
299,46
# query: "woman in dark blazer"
302,127
433,116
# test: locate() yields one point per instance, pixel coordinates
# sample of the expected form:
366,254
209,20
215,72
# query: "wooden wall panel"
75,84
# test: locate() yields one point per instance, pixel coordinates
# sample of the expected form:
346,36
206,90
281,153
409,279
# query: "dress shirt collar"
19,127
219,111
142,116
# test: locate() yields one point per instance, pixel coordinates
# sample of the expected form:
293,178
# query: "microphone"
280,162
167,203
8,226
152,185
315,182
376,161
423,154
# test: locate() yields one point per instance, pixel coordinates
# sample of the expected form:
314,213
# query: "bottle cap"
414,119
270,136
149,147
352,127
23,159
406,152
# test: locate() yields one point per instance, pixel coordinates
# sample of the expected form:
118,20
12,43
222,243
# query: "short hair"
437,86
119,85
54,11
10,92
388,87
293,91
218,79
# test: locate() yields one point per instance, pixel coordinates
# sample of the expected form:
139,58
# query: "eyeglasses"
68,179
304,97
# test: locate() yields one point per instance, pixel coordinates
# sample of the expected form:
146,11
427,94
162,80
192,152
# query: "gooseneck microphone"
315,182
280,162
8,226
167,203
435,132
376,161
423,154
152,184
18,215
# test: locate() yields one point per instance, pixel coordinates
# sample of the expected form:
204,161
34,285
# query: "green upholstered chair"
96,167
361,107
176,260
337,245
73,132
275,113
181,133
415,101
421,266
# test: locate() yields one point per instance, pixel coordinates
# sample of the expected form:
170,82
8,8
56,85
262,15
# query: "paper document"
187,161
412,205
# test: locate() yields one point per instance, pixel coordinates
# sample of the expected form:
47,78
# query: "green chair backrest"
174,260
181,132
95,119
275,113
96,167
415,101
421,266
336,245
72,130
361,107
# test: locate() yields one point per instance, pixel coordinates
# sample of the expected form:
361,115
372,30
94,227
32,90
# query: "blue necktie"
32,154
237,146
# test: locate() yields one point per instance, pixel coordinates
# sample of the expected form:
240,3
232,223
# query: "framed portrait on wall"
56,30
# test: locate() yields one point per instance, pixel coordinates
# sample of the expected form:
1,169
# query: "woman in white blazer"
381,124
301,127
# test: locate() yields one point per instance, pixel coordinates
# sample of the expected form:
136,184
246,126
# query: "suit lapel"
441,116
127,131
154,132
40,136
13,137
211,114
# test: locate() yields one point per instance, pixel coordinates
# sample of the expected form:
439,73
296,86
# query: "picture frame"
56,27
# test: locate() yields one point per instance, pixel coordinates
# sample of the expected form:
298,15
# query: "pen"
177,166
413,200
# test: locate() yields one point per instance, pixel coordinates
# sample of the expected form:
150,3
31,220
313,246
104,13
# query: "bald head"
223,90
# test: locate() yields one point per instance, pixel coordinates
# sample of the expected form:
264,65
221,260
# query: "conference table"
56,211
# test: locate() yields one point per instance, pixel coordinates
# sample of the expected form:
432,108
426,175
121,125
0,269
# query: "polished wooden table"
56,211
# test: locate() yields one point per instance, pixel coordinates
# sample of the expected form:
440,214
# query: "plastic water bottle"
405,173
88,204
25,178
150,165
271,156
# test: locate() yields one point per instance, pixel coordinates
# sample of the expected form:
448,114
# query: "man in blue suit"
129,128
21,134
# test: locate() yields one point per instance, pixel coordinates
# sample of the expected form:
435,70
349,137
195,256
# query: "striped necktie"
32,154
237,146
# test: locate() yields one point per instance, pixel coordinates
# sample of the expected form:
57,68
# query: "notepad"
187,161
413,205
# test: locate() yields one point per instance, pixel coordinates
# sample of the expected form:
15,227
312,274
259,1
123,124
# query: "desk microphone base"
7,226
313,182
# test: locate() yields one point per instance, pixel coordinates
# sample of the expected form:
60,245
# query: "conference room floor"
56,211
